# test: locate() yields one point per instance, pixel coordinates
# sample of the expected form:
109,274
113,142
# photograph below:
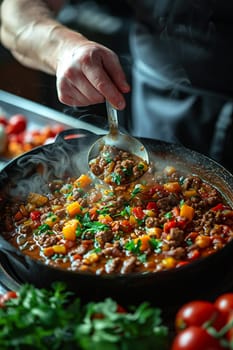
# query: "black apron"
182,76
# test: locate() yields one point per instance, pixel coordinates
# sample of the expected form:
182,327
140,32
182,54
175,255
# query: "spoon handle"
112,119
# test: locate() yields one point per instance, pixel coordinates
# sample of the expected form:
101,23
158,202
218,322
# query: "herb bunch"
55,319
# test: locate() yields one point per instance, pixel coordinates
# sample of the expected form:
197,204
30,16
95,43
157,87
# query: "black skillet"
204,278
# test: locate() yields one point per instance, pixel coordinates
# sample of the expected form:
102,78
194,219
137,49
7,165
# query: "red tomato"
7,296
18,138
198,312
224,303
16,124
229,320
3,120
195,338
120,309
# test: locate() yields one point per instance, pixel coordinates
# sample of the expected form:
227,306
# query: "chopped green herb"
142,257
156,244
127,171
116,178
168,215
43,229
189,241
135,191
181,202
126,211
140,166
133,247
55,319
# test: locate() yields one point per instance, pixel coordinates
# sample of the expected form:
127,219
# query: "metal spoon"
117,139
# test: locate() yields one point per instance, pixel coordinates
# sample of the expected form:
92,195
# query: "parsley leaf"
116,178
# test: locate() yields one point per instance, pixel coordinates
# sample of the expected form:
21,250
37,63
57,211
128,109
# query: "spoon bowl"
117,139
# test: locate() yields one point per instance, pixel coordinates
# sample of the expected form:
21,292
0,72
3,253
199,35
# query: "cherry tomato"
17,123
7,296
229,320
18,138
198,312
195,338
3,120
224,303
120,309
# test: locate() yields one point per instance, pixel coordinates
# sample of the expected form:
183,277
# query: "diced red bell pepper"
194,254
151,206
125,226
138,213
182,263
217,207
35,215
169,224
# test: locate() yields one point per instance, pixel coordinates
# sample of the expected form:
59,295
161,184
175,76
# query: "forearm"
32,34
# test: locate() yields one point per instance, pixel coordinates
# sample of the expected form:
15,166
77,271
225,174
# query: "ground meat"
104,236
193,182
112,265
48,240
147,221
128,265
112,251
61,213
81,249
167,203
178,253
152,222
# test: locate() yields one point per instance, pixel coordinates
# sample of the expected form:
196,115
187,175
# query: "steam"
32,172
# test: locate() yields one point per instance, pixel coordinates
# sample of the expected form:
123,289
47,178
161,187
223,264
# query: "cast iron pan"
201,279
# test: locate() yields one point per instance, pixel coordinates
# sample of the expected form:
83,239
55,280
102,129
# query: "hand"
90,73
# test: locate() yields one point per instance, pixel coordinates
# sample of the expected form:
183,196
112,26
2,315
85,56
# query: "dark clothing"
187,41
182,76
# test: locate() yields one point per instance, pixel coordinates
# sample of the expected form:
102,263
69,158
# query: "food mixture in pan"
164,219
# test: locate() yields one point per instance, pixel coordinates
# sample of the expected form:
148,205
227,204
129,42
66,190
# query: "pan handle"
16,258
72,134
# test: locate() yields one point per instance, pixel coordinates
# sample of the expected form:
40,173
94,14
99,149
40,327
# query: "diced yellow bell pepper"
69,229
105,219
190,193
203,241
83,181
59,249
154,232
91,259
51,220
133,220
74,208
169,262
187,211
145,242
172,186
48,251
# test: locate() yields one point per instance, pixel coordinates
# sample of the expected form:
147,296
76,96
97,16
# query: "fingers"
76,90
91,74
